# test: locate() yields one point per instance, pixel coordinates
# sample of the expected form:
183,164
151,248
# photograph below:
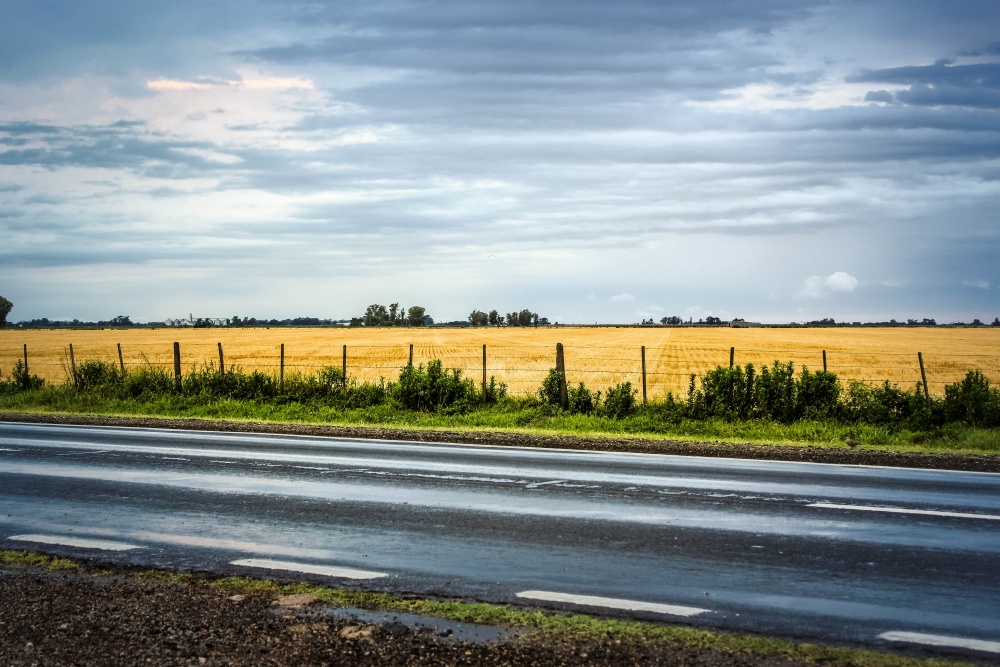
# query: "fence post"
561,370
824,361
923,377
222,363
484,372
26,373
281,371
411,354
177,366
644,375
732,356
121,361
72,362
344,367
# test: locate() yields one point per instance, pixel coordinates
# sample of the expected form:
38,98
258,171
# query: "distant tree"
121,321
376,315
712,319
5,307
524,318
673,319
929,321
357,322
393,314
977,323
996,322
478,318
416,315
494,319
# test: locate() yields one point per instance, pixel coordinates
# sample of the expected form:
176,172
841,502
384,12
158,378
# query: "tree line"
523,318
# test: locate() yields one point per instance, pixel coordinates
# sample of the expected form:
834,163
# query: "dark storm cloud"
941,84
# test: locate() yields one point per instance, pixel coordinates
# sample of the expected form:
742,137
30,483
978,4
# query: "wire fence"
522,367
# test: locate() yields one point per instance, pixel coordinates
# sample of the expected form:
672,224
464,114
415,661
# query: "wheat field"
599,357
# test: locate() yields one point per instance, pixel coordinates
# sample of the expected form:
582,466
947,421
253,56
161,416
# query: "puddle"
447,630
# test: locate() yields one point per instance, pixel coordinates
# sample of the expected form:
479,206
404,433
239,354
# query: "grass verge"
518,417
537,624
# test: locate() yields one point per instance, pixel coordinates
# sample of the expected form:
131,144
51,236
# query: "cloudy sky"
776,160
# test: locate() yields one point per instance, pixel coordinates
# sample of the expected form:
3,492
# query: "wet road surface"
874,556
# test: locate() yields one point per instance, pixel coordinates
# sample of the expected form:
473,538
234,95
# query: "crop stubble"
599,357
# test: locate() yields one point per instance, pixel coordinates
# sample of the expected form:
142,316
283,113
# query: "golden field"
599,357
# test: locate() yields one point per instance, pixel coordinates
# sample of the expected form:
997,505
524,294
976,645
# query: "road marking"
612,603
942,640
308,568
903,510
106,545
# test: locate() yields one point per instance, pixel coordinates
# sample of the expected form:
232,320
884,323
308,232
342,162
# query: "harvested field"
599,357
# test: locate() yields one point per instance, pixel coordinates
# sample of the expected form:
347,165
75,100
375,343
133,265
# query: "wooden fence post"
561,370
26,373
121,360
923,377
177,366
732,356
222,362
644,375
411,354
72,362
344,367
824,361
281,371
484,372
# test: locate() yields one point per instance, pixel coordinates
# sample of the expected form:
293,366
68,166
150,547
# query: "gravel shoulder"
814,454
115,617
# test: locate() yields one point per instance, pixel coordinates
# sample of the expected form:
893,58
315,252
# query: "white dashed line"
942,640
308,568
903,510
83,543
612,603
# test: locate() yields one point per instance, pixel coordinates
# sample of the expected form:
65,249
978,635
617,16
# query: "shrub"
972,401
581,400
619,401
724,392
21,380
95,374
775,393
817,395
550,389
885,405
432,389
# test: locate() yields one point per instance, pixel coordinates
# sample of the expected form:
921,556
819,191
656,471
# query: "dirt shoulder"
121,617
814,454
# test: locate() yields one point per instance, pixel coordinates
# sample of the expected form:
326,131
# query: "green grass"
534,623
517,416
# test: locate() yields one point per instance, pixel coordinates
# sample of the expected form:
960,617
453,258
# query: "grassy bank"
740,404
513,415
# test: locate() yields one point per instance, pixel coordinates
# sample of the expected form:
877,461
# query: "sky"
774,160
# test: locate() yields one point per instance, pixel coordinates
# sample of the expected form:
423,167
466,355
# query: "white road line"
106,545
942,640
612,603
903,510
308,568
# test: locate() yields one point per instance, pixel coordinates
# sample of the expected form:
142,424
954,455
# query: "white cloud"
624,297
979,283
838,281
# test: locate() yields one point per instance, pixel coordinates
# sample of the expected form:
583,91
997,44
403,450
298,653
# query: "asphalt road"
873,556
